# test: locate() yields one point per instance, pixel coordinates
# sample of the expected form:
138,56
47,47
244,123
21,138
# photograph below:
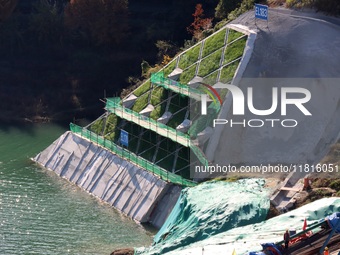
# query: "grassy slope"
221,51
203,59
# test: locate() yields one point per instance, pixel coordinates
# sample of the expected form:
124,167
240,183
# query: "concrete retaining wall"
130,189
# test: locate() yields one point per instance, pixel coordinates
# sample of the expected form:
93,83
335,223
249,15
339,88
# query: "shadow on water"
62,119
7,126
22,126
30,128
22,140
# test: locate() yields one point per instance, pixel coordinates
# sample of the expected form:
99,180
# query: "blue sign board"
261,11
124,137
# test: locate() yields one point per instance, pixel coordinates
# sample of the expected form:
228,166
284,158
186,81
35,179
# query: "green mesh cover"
125,154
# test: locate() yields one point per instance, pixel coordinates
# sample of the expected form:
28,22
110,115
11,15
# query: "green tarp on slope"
248,238
208,209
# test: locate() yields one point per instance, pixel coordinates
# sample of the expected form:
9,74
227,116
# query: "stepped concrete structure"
143,176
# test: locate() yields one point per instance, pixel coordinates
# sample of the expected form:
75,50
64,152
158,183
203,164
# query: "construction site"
140,155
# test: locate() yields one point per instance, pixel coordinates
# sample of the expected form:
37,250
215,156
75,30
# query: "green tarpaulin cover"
208,209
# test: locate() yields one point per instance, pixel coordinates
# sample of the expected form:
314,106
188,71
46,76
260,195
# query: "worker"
326,251
286,238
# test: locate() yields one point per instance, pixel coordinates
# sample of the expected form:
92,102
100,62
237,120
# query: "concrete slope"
130,189
290,52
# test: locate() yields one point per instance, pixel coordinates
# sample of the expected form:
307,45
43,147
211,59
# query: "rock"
125,251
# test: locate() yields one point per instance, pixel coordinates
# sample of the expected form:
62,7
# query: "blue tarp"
333,220
271,249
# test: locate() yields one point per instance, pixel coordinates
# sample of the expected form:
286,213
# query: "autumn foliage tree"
200,23
103,21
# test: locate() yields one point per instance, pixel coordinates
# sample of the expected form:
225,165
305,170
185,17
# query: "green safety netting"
199,154
126,154
209,209
160,80
114,106
204,121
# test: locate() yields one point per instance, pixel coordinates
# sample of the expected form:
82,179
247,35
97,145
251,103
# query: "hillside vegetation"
328,6
59,57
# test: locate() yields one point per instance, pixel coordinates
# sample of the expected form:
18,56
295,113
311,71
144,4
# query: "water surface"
41,213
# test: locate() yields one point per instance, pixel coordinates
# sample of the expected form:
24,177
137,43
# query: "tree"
6,8
224,7
46,23
200,24
165,50
329,6
245,6
104,21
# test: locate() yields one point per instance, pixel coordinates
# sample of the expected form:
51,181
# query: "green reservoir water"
41,213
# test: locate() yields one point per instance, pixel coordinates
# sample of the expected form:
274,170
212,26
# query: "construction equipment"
310,241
